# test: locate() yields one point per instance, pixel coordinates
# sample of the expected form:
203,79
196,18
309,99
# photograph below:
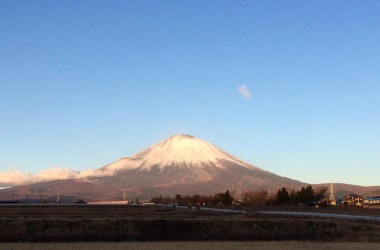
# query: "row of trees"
217,199
304,196
255,198
259,197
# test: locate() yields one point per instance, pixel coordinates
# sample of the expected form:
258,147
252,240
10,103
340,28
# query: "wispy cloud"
15,177
244,92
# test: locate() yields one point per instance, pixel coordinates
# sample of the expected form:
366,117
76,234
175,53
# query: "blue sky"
83,83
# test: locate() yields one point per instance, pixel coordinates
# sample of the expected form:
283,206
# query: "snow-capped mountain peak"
180,150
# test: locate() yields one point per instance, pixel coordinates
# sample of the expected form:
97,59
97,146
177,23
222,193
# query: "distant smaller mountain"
342,189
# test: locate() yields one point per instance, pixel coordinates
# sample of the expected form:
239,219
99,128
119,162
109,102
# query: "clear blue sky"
83,83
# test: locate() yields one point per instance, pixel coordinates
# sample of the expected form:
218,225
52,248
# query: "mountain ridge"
180,164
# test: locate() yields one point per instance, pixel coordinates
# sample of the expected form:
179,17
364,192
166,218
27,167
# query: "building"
371,202
353,200
110,202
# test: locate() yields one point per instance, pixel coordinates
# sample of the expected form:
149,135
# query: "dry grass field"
129,223
287,245
119,211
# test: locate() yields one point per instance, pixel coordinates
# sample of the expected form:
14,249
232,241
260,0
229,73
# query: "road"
324,215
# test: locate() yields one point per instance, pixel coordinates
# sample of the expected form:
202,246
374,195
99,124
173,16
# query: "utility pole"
13,197
331,191
332,198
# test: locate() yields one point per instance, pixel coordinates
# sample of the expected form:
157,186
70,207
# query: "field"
151,223
120,211
190,246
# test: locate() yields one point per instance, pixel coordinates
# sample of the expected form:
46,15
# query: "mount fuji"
180,164
182,151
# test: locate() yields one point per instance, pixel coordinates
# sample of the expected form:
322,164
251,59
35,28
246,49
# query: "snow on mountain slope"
179,150
180,164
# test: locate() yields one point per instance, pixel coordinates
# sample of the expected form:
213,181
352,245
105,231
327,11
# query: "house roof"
351,195
376,198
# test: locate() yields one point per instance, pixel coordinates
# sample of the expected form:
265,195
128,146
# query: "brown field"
190,246
120,211
150,223
332,210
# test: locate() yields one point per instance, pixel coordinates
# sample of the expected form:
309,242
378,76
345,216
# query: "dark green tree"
218,199
196,199
302,195
178,199
293,197
309,194
283,197
227,198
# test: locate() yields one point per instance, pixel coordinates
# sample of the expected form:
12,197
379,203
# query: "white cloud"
15,177
56,174
244,92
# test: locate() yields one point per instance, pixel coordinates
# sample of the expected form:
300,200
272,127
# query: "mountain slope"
180,164
341,189
179,150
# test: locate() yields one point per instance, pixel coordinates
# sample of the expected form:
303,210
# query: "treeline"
261,197
10,201
225,199
305,196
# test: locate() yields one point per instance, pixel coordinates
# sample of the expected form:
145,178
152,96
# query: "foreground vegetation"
128,223
190,246
177,229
